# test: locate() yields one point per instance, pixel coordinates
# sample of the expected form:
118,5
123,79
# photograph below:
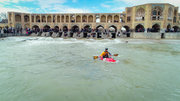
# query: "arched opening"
129,16
56,29
116,18
46,28
139,28
78,19
140,14
67,19
72,18
65,29
126,31
109,18
113,30
49,19
62,18
97,19
99,30
90,18
168,29
58,19
43,19
156,28
127,28
35,28
122,18
84,18
17,18
87,29
75,28
37,18
170,14
26,18
157,13
103,18
176,29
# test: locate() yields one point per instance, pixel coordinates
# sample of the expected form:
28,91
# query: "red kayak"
108,59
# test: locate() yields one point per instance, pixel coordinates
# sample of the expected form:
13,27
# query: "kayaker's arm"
102,54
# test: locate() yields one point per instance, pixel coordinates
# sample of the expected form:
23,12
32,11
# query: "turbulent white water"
47,69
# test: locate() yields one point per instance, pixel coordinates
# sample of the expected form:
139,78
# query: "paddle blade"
95,57
116,54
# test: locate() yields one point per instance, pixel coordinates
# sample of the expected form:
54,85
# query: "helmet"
106,48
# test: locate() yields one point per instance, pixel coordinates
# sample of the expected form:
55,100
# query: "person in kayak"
105,54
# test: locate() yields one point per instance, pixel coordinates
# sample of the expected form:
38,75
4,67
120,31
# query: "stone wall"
156,35
146,35
172,35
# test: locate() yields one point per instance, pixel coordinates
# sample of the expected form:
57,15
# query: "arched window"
170,14
157,13
103,18
62,18
58,19
140,14
43,18
49,19
72,18
97,18
78,18
37,18
84,18
90,18
26,18
17,18
109,18
67,19
116,19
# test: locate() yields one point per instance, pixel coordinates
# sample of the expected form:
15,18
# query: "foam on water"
56,69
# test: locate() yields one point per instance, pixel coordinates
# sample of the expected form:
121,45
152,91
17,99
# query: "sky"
74,6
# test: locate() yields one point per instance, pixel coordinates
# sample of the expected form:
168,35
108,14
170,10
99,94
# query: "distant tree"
3,18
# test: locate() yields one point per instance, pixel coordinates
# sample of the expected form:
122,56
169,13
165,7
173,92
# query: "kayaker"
105,54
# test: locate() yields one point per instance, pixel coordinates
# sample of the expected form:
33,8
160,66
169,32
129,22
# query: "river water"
47,69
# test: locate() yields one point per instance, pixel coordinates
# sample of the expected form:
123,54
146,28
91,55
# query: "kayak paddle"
96,57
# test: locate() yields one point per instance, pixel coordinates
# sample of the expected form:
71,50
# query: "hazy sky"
74,6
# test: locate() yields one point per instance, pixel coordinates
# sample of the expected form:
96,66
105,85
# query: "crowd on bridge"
66,31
